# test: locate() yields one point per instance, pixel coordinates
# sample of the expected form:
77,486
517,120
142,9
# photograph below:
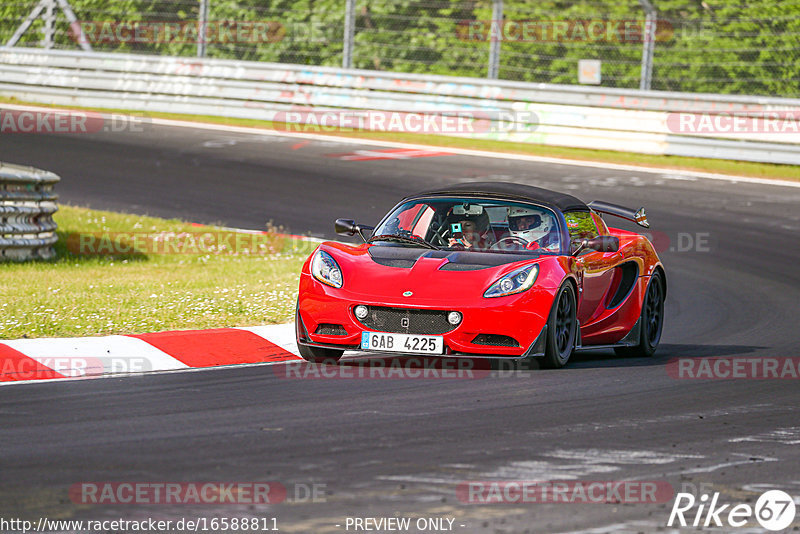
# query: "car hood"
430,275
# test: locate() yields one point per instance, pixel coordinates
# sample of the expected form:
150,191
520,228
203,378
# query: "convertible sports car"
487,270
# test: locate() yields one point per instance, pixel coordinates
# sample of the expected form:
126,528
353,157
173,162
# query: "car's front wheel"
562,327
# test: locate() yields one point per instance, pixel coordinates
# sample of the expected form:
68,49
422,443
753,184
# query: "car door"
597,267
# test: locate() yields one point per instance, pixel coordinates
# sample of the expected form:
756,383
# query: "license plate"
402,343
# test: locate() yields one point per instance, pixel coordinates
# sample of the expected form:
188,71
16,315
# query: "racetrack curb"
25,360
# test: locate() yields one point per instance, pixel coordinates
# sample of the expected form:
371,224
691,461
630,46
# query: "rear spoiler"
637,216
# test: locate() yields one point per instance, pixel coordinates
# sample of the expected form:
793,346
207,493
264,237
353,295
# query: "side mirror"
601,243
604,243
349,228
346,227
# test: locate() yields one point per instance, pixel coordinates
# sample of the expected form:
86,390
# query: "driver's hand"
459,243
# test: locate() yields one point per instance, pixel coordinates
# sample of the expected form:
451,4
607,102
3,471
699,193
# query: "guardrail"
651,122
27,204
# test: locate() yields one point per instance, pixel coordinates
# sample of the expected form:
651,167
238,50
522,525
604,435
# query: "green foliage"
729,46
82,295
581,226
719,46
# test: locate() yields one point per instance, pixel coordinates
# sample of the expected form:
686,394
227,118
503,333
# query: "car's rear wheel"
562,327
651,320
319,354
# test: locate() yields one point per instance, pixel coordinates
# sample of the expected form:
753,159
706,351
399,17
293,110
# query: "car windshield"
472,224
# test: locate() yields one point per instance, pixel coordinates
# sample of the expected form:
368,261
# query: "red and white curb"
24,360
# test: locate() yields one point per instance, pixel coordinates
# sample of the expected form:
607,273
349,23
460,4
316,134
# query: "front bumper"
521,317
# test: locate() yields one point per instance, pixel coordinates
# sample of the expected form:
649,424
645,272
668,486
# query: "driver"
528,225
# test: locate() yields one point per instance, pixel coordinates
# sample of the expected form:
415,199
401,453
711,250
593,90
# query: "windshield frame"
558,215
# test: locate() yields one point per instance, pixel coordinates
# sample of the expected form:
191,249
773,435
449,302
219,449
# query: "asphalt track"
395,447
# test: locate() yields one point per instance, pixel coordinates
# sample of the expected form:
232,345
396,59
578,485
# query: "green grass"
734,168
83,295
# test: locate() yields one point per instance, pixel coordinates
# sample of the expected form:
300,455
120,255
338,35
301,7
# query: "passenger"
471,231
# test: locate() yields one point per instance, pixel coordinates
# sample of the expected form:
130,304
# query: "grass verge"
152,287
733,168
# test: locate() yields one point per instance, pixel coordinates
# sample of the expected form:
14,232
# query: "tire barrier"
27,205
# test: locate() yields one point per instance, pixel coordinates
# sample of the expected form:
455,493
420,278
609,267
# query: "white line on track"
670,174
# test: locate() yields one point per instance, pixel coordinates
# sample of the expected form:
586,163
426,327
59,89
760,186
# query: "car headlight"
514,282
325,269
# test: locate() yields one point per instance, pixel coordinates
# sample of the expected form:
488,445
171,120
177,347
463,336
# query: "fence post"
49,24
649,44
349,33
495,38
201,28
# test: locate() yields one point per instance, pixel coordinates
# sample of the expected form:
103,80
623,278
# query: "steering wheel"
509,239
439,234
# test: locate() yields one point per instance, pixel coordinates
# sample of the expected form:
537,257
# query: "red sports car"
494,270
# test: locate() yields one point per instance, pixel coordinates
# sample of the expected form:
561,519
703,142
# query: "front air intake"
328,329
407,320
495,340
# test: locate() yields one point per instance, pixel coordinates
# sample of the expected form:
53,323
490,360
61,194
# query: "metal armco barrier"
650,122
27,204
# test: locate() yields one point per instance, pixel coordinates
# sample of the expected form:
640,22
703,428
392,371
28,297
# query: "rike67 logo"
774,511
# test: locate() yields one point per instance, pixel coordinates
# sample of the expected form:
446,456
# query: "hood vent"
450,266
401,257
401,263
